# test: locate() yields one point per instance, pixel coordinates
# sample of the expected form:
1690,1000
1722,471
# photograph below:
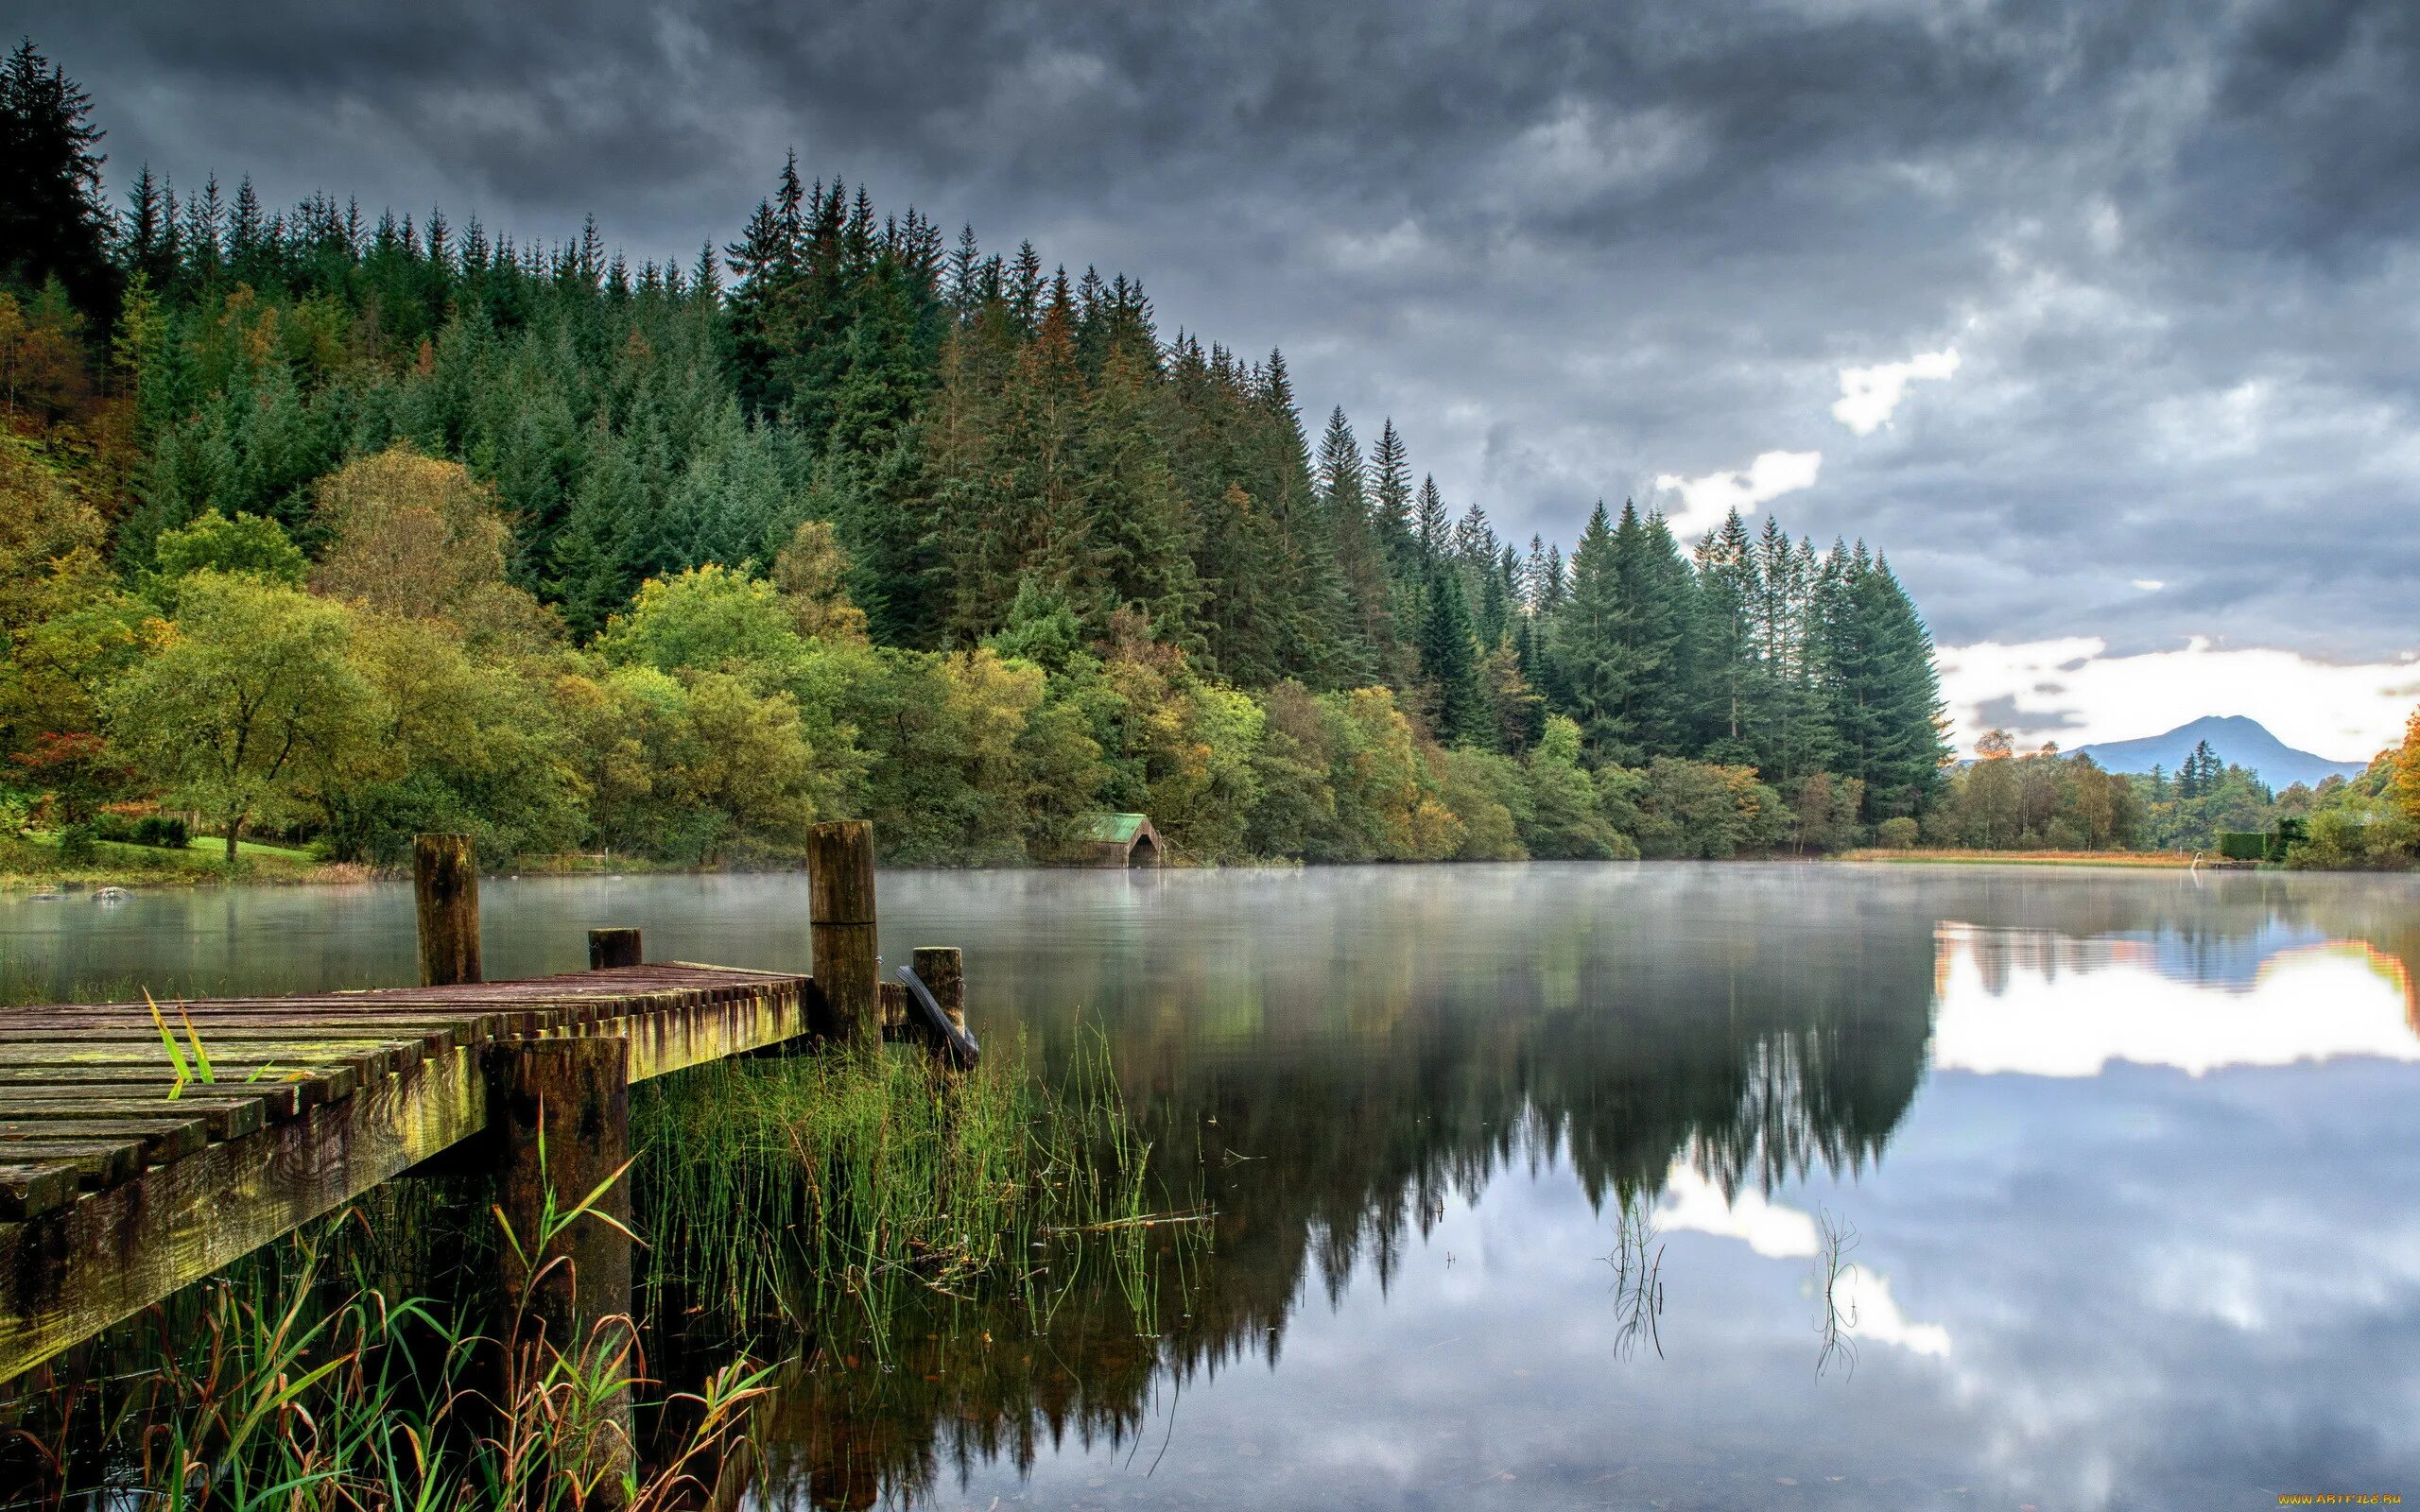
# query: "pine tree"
1591,671
1357,550
1138,526
53,222
1885,694
1653,607
1432,530
145,233
1390,479
1459,711
1729,673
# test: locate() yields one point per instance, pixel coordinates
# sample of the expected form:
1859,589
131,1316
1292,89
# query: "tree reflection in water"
1334,1055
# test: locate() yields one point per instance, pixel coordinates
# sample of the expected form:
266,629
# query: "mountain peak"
2239,739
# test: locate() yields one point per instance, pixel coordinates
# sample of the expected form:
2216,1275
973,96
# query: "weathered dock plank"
68,1272
119,1184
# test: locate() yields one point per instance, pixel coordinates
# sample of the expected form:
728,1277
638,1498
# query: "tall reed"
810,1190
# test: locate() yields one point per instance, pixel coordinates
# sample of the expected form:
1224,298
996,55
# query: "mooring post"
445,887
564,1110
943,969
840,892
612,947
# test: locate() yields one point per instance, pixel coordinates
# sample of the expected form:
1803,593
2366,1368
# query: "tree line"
335,527
2006,800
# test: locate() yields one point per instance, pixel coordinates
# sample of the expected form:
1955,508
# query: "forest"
2042,801
325,528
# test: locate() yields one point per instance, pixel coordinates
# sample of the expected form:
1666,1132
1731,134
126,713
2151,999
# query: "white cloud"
1867,395
2043,1012
1872,1315
2149,585
1705,501
2342,712
1868,1311
1692,1202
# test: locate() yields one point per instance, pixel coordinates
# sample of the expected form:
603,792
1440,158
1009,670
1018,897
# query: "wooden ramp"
119,1185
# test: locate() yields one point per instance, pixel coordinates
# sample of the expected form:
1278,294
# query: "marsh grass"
785,1205
304,1378
824,1192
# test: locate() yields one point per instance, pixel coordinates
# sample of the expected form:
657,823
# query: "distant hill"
2238,741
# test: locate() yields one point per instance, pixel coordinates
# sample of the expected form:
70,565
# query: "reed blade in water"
807,1188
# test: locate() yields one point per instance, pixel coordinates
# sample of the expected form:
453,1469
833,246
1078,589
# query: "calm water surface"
2122,1170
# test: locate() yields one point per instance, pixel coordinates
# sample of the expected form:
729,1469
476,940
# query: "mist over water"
1957,1186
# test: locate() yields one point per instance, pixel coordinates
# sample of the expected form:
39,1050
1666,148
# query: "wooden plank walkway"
118,1186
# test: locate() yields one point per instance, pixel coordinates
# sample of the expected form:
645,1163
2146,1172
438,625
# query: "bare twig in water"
1638,1281
1839,1323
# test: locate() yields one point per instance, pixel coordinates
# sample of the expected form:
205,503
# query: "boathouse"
1122,840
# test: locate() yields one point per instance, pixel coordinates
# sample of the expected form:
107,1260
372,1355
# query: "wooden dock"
126,1172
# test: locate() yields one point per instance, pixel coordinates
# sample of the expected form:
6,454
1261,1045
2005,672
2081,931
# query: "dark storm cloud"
1569,248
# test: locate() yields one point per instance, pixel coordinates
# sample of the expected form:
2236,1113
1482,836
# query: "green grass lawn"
32,859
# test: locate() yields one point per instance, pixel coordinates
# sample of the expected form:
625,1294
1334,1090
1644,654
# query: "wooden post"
839,891
563,1111
445,885
609,947
943,969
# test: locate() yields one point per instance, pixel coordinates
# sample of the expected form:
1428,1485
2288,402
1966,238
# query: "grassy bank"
32,862
2167,860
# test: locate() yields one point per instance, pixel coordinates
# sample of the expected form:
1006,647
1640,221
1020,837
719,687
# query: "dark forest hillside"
847,516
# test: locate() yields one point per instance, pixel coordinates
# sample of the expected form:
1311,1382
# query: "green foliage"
626,559
161,831
212,542
2005,801
1698,810
247,704
2243,845
707,619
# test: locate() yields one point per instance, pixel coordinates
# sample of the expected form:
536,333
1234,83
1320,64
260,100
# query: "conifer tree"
1885,694
1359,554
1592,671
53,223
1728,673
1459,711
1390,479
1432,530
1653,607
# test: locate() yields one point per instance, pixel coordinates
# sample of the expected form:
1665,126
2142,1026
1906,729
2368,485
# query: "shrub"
2349,839
163,831
1896,834
2243,845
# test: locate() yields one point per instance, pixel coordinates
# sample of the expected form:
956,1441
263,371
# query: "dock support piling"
445,888
840,915
564,1110
609,947
943,969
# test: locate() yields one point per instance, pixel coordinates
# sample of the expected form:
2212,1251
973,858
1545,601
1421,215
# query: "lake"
1579,1186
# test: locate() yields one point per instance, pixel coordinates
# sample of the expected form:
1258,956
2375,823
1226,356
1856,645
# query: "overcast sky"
2097,317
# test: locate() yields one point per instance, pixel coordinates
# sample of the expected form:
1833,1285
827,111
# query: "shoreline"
197,867
2139,860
